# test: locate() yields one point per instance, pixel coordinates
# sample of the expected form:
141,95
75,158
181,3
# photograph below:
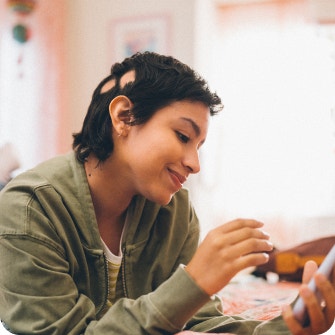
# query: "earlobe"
119,111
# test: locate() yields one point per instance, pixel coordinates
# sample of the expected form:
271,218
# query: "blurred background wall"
269,155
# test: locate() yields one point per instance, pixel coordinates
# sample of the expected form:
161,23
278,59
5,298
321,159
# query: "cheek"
149,151
150,161
148,145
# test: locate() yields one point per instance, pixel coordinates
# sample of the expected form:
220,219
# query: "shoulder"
48,186
57,168
53,172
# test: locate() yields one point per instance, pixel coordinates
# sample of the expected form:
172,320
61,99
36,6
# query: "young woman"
104,240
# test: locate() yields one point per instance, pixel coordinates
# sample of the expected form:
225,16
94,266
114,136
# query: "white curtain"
32,83
270,154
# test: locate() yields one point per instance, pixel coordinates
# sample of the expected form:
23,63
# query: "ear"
119,111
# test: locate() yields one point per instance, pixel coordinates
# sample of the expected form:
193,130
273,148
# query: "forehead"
192,114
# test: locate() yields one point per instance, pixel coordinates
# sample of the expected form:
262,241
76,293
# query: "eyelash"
183,138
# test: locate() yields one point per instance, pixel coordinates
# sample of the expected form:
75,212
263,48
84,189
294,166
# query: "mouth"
177,178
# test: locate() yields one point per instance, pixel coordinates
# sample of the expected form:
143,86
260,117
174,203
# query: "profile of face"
159,155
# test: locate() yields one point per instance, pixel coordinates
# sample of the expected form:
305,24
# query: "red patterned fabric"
254,298
187,332
257,299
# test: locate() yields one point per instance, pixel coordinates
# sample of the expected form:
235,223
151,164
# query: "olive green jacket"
53,273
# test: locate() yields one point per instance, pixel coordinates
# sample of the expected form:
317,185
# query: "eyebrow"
195,127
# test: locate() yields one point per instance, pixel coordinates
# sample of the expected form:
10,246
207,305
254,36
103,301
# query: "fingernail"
266,255
265,233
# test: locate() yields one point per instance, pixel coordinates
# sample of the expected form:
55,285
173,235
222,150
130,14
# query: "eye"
183,138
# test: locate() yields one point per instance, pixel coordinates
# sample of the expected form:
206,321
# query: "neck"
109,192
111,198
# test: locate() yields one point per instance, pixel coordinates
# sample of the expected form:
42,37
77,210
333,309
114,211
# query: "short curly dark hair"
159,81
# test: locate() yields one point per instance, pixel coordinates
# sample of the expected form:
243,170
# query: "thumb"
309,269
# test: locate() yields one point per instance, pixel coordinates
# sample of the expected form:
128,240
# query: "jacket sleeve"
209,319
39,291
39,294
48,302
164,311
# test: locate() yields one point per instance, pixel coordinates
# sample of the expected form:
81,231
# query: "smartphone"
299,308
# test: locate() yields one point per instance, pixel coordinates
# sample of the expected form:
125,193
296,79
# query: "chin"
163,201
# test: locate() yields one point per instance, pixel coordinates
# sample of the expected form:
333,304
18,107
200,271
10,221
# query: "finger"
291,322
251,246
239,224
238,232
250,252
309,269
223,241
253,259
328,293
231,252
318,322
243,241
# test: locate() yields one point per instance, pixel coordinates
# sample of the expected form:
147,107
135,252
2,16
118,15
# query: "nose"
192,161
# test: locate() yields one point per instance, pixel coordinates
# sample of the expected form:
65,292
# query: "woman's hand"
226,250
321,317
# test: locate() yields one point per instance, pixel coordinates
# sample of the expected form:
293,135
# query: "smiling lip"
178,177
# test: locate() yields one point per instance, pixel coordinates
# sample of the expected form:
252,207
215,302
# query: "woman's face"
164,151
